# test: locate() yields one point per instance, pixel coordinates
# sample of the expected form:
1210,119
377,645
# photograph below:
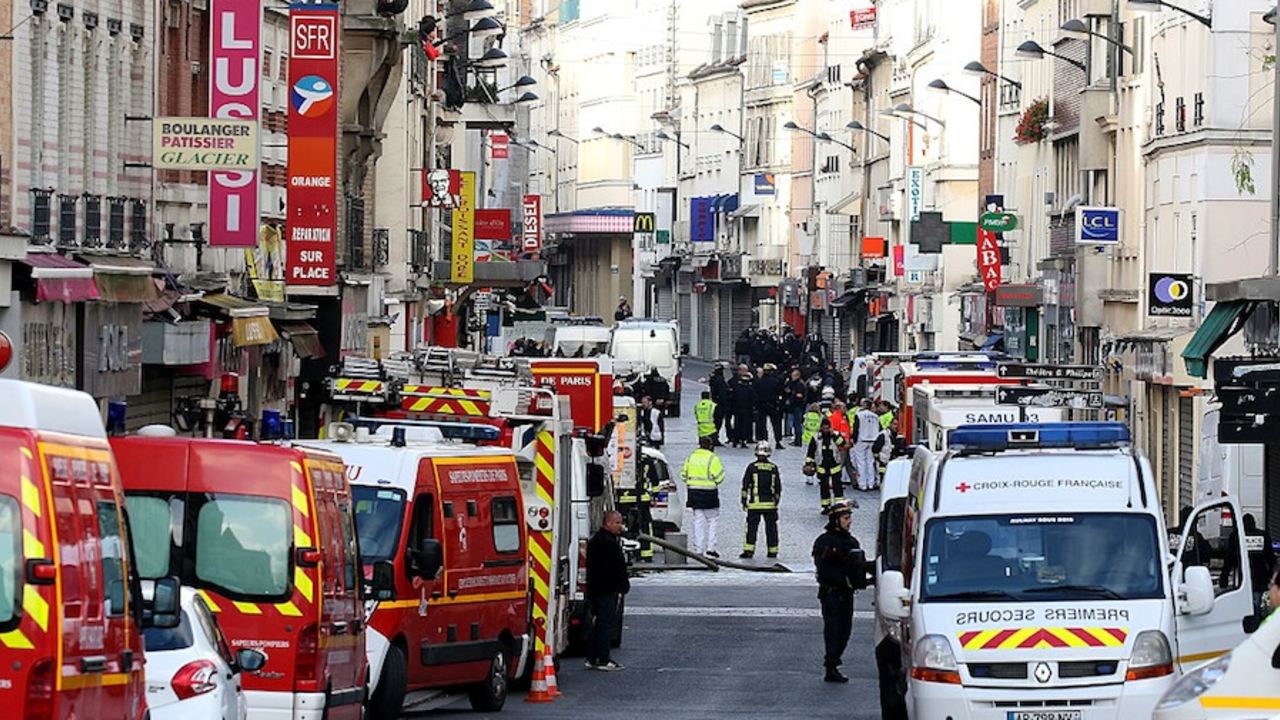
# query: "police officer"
826,456
720,395
795,394
704,414
703,474
742,395
840,567
761,493
636,505
769,402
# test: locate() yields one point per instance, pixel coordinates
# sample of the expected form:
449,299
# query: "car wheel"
387,700
491,694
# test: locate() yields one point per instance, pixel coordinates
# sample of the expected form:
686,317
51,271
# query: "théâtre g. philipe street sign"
1049,372
1049,397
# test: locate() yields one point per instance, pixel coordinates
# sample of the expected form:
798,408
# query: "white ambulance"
1037,582
937,409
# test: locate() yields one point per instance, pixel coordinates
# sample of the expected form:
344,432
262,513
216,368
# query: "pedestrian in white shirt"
864,459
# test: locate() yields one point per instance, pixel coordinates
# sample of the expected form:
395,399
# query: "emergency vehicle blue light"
1023,436
473,432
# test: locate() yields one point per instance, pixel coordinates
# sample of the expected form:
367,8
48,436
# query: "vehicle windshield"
651,351
243,545
1043,557
152,522
155,639
379,515
582,348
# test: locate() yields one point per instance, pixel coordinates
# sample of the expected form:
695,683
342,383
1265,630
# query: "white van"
1036,579
581,341
656,344
937,409
1240,685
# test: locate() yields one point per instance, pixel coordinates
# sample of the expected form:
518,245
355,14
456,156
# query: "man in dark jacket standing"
607,582
742,398
769,402
840,567
719,387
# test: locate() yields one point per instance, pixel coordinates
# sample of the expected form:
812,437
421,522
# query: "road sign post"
1050,372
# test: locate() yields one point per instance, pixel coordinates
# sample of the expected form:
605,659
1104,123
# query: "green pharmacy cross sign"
1000,222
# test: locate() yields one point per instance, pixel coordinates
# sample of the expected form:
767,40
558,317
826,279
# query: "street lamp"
891,113
487,27
826,137
977,68
526,98
1031,50
539,146
555,133
492,59
478,10
662,135
942,85
1155,5
906,109
720,129
1077,28
855,125
523,81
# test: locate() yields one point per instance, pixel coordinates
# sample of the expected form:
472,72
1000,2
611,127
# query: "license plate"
1045,715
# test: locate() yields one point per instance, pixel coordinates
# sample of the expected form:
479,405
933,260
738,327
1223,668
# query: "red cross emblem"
963,487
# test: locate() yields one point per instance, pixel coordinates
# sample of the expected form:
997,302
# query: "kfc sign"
235,46
441,189
532,233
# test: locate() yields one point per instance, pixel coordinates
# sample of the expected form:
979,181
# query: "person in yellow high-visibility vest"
704,414
702,474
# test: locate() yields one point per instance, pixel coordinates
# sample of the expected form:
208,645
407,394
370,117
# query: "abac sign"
1097,225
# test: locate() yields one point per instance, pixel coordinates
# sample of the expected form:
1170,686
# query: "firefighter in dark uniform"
841,569
825,459
761,493
636,505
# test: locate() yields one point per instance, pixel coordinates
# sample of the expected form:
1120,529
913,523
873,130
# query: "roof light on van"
1019,436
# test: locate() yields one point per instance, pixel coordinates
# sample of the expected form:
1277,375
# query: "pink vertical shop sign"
235,49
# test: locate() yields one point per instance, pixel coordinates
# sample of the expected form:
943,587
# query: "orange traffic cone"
538,691
549,670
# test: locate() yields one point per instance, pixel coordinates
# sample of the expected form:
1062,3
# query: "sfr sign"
314,36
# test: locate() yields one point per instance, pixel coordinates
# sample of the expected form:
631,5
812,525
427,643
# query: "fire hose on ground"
706,563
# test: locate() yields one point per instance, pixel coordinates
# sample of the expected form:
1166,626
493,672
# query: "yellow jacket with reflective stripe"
702,474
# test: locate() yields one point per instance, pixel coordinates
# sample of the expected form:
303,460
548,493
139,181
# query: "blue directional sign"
1098,225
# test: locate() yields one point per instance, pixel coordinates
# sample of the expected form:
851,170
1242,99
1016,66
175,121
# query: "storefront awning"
745,211
60,279
1220,324
304,338
123,279
848,297
250,322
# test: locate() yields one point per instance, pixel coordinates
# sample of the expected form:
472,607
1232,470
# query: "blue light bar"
1032,436
944,364
473,432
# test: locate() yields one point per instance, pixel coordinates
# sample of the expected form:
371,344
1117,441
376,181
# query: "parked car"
191,670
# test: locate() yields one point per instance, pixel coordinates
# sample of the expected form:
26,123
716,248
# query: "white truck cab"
1240,685
1036,579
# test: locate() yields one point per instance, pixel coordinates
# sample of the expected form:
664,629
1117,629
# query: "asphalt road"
728,644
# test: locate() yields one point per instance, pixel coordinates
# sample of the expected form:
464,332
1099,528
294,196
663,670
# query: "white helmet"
828,393
763,449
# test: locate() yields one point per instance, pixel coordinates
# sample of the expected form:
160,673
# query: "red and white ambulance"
70,609
267,535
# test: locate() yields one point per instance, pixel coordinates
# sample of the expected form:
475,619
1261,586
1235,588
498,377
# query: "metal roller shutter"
1186,453
666,308
154,405
725,330
1271,479
708,328
743,309
1166,456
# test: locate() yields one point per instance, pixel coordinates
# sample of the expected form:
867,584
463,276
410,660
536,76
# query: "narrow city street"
731,643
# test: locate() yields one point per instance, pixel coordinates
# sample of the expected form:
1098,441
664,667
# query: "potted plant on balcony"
1031,126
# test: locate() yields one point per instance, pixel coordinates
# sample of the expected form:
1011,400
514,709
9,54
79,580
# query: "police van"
1036,579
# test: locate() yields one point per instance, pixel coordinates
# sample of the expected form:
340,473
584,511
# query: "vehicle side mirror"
165,604
595,480
1195,593
892,596
427,559
382,585
250,660
1275,659
684,348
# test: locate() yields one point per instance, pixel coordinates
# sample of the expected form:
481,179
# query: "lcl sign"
235,47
